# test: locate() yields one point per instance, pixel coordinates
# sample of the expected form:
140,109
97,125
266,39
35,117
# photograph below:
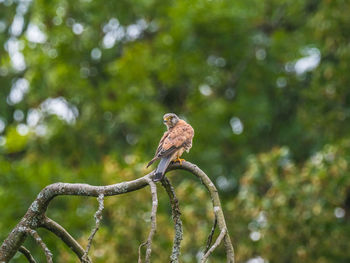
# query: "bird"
176,140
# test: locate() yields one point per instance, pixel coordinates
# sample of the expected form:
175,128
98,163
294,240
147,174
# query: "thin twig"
175,209
153,220
148,243
63,234
216,244
140,254
98,218
27,254
210,237
41,243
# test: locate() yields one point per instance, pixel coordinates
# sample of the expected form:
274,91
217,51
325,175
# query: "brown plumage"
176,140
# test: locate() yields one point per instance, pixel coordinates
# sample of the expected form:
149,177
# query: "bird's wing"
179,136
160,145
159,148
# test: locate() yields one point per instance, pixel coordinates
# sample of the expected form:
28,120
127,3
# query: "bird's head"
170,119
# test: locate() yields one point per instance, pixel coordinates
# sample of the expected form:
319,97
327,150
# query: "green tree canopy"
265,84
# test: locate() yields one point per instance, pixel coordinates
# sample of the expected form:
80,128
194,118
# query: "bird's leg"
178,159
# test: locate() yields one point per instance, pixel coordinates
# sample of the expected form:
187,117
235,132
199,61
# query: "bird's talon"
179,160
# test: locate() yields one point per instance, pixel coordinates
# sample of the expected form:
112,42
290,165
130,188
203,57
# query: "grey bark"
35,216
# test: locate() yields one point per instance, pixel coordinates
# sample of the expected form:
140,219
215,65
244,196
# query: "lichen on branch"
35,216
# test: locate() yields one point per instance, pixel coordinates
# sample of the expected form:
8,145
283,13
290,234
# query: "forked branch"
219,214
35,216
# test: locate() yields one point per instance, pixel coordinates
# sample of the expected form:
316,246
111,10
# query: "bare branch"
41,243
98,218
59,231
148,242
27,254
35,215
175,209
140,254
210,237
194,169
216,244
153,220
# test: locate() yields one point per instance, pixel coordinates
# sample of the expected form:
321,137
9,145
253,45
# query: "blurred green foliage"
265,84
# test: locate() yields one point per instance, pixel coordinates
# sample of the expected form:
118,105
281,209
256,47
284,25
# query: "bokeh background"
265,84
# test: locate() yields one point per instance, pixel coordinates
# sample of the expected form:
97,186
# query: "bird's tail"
161,168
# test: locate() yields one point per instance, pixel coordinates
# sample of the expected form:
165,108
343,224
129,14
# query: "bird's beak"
164,120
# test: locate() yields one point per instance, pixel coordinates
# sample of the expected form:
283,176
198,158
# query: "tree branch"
27,254
216,244
98,218
153,219
41,243
194,169
175,209
210,237
59,231
36,212
148,243
35,215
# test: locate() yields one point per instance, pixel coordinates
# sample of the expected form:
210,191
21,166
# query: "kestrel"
176,140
